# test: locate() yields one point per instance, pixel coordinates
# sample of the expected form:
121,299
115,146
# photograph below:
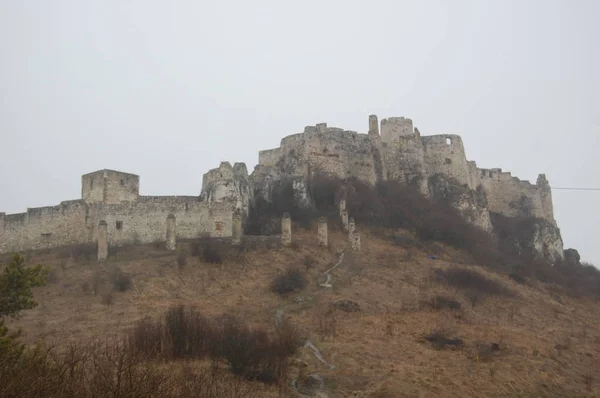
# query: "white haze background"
167,90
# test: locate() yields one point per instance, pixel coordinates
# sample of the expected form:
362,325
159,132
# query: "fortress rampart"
401,153
391,150
113,197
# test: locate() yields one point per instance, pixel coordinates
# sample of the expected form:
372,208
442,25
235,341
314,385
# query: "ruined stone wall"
109,187
228,184
45,227
404,159
394,128
512,197
445,154
143,221
332,150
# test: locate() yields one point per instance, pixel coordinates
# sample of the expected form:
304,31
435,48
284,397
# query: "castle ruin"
391,150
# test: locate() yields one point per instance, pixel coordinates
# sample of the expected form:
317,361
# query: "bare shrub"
121,281
188,333
588,379
251,353
212,254
288,282
309,262
53,276
439,302
470,280
84,252
185,333
96,282
439,338
146,338
86,288
182,258
326,322
107,299
517,278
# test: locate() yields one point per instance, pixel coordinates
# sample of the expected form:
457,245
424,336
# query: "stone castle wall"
437,164
142,220
399,153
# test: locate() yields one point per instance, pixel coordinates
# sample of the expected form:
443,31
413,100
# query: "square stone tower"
110,187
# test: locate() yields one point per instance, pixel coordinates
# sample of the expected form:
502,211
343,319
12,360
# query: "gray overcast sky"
168,89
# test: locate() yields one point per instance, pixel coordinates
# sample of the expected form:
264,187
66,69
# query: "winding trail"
308,343
327,282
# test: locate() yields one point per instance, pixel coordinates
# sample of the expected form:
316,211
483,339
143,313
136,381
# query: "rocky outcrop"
472,204
229,184
572,257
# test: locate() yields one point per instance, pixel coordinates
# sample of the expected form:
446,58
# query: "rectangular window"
119,225
218,226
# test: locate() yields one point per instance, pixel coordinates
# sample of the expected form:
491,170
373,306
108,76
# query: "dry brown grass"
379,350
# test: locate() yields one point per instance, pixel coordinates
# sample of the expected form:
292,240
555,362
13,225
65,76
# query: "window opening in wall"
122,182
91,184
119,225
448,141
218,226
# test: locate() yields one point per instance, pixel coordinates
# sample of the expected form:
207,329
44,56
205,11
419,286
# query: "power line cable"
576,189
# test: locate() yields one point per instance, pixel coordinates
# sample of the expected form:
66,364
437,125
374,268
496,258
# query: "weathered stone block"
322,232
286,229
102,241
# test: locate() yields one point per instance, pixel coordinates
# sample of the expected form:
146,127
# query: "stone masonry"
392,149
395,150
322,231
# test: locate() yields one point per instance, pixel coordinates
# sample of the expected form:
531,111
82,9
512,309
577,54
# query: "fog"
167,90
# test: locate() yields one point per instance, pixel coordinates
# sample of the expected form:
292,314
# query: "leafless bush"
309,262
121,281
439,338
182,256
107,299
84,252
212,254
185,333
86,288
96,282
470,280
439,302
291,280
326,322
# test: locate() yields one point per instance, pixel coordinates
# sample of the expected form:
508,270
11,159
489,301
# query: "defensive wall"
391,150
399,152
113,197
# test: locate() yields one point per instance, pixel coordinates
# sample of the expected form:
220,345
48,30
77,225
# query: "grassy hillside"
401,318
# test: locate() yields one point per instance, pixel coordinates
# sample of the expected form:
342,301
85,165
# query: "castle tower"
110,187
393,128
373,125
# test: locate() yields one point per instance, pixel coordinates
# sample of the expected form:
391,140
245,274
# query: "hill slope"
381,324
